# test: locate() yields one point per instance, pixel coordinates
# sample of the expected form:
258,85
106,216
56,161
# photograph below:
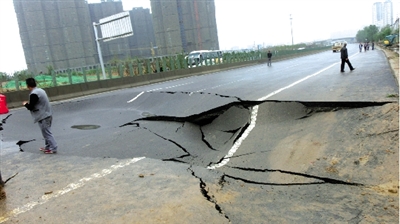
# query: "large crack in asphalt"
324,180
221,127
205,193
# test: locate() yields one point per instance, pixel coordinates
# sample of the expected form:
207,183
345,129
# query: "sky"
240,23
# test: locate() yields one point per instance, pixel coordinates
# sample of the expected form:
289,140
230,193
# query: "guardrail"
135,73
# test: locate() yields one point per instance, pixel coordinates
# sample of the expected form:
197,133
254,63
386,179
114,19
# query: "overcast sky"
240,23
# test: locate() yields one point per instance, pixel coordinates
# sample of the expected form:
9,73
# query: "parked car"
338,45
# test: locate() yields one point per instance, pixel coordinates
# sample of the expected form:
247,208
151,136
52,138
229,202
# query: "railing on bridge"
138,67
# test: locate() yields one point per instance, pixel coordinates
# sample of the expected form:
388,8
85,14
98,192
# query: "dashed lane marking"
130,101
70,187
152,90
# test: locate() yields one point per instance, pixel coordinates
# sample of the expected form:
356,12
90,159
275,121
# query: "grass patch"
392,95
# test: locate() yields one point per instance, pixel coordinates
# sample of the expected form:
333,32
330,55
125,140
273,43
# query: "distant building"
184,26
387,13
143,40
60,34
382,13
377,14
55,34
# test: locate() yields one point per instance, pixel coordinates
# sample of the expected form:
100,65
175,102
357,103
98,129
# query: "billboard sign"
116,26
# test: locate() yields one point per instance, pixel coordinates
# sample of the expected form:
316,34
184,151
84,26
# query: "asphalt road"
268,144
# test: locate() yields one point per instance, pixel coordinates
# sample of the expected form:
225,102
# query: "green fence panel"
157,65
140,67
109,71
120,71
98,74
185,62
149,69
164,63
54,78
69,76
130,69
17,84
172,63
178,63
84,75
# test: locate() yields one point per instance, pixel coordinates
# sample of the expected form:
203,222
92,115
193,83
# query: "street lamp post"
291,27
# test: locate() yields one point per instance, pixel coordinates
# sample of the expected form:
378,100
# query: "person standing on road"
269,55
41,111
345,58
360,46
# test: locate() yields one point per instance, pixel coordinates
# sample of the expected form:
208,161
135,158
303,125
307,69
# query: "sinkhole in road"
284,146
205,138
85,127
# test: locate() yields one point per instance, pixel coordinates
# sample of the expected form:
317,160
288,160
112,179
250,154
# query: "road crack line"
205,193
325,180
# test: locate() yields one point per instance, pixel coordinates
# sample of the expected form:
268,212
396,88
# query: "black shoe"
352,69
341,71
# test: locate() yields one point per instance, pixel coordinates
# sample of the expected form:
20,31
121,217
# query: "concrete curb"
393,59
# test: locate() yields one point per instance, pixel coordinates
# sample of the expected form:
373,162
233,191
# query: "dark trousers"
348,63
45,127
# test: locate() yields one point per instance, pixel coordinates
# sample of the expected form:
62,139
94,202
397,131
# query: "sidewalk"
63,189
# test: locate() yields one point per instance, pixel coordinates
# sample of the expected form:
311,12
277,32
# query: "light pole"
291,27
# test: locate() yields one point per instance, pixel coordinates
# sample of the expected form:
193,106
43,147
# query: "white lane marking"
152,90
70,187
253,119
183,84
168,87
224,84
237,144
130,101
295,83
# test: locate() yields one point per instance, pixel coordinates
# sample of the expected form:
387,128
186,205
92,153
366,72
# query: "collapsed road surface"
297,142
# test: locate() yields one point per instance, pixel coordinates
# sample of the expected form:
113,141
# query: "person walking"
269,55
360,46
41,111
345,58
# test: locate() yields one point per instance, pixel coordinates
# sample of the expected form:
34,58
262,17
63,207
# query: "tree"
384,32
4,77
367,34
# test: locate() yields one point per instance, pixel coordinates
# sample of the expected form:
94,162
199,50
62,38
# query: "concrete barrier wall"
15,99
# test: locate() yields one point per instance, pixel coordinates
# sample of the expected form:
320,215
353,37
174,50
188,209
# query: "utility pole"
291,27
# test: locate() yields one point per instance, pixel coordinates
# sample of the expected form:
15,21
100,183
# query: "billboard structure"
112,27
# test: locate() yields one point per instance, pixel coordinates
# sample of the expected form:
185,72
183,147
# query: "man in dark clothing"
269,55
41,111
345,59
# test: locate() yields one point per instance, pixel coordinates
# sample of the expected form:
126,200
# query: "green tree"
384,32
4,77
367,34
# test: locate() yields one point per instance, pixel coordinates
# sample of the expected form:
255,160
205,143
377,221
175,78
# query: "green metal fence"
139,67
